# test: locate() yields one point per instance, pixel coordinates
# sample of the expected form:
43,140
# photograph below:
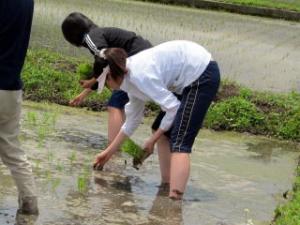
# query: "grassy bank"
292,5
53,77
289,214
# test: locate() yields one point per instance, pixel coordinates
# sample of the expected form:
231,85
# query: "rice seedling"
82,180
59,166
73,157
82,184
55,183
37,164
50,156
31,119
134,150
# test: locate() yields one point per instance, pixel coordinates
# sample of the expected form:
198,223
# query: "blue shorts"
118,99
195,101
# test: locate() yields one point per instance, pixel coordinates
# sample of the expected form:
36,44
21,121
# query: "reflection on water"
230,173
268,150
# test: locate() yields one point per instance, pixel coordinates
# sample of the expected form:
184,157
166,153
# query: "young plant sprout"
134,150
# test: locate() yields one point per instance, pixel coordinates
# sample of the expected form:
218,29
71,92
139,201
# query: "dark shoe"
22,219
28,206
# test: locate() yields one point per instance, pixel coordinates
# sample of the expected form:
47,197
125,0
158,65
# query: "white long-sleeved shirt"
157,72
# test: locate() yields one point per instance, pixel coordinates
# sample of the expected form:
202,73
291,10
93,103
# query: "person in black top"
15,27
80,31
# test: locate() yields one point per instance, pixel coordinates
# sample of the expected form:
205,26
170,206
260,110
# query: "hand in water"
101,159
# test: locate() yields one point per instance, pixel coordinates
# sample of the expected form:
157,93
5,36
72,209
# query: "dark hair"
116,58
75,26
99,65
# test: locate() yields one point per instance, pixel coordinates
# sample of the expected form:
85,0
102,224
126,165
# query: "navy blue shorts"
118,99
195,101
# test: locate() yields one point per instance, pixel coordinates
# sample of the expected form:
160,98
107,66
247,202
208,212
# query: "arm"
105,155
79,98
89,84
134,113
168,102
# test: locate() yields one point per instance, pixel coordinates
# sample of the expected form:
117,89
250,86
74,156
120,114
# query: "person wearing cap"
180,67
15,27
80,31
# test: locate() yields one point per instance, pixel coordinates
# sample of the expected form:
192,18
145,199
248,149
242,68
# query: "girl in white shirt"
180,67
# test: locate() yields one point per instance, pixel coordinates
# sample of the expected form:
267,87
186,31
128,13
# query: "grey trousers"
10,152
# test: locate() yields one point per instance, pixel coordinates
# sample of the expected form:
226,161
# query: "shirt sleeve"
134,111
154,88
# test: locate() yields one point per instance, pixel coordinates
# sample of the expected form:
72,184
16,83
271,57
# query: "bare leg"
180,170
116,119
164,156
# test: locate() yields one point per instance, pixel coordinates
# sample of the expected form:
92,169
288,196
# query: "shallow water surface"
234,177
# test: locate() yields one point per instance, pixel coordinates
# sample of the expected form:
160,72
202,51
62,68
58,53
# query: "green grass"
293,5
278,4
289,214
54,77
241,109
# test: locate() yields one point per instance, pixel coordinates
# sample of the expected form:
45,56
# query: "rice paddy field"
260,53
235,179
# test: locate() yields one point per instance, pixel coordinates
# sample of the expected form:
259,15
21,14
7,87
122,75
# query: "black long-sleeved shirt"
15,27
111,37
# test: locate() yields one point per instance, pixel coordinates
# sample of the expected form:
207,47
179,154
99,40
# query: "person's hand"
101,159
79,98
87,83
149,146
76,101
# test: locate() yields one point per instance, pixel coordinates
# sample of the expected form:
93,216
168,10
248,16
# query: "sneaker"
28,205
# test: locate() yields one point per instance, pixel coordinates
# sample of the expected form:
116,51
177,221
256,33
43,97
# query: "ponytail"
116,59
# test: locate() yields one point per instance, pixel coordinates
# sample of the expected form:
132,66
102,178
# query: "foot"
22,219
163,189
28,206
175,194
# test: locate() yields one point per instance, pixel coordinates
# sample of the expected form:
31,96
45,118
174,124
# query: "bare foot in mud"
176,195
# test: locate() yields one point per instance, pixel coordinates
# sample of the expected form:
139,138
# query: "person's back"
15,26
178,63
114,37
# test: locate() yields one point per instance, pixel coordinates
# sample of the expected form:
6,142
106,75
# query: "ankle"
28,205
175,194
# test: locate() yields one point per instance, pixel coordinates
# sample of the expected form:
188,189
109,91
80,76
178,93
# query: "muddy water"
234,177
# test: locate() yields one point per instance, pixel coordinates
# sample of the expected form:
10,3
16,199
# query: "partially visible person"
15,27
81,31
